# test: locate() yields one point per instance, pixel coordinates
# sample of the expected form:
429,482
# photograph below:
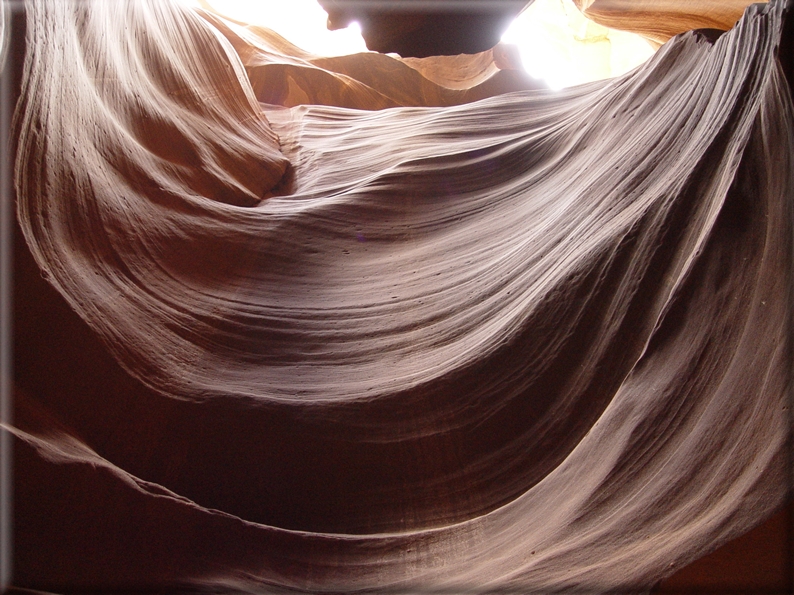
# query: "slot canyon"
400,321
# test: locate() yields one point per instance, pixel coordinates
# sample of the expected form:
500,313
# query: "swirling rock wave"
534,341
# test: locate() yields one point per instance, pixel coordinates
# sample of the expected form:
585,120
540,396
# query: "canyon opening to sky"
557,43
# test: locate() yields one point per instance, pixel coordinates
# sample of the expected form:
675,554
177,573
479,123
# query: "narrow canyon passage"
287,322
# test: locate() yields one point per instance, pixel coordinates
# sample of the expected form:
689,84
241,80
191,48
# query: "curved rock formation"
536,341
659,20
283,74
5,18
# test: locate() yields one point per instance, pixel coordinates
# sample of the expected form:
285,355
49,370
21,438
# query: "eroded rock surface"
537,340
659,20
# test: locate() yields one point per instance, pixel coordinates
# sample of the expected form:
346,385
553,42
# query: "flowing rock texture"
537,341
659,20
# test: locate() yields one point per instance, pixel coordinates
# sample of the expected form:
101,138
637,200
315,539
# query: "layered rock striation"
409,338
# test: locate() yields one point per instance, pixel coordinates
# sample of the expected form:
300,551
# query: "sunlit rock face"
659,20
286,322
282,74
